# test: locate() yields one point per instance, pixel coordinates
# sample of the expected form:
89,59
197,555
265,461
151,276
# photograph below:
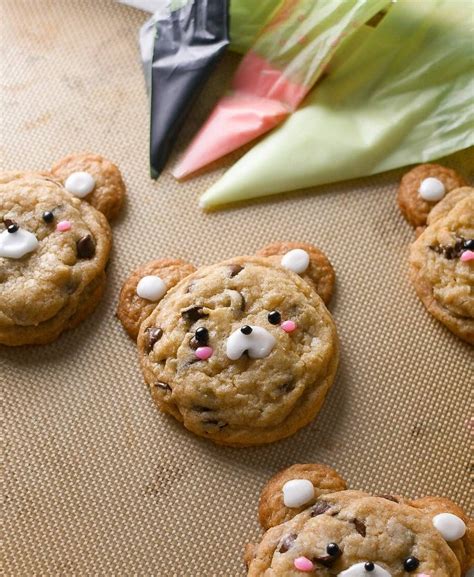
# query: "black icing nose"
369,566
246,330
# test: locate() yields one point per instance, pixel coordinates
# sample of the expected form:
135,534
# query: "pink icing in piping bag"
287,59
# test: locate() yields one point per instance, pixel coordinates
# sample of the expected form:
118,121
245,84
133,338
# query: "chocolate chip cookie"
315,526
442,263
53,250
241,352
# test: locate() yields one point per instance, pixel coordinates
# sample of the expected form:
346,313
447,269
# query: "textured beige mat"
96,481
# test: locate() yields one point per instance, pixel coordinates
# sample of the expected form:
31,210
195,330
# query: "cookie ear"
453,525
93,178
145,287
306,260
422,188
295,489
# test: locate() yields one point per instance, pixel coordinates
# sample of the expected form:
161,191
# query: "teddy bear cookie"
241,352
55,241
442,257
315,526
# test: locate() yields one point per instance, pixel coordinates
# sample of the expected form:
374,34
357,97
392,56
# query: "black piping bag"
189,41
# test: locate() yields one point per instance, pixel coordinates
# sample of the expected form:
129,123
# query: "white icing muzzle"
359,570
17,244
256,341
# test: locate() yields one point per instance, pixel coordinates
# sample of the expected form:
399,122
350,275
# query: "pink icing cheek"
303,564
288,326
63,226
204,353
467,256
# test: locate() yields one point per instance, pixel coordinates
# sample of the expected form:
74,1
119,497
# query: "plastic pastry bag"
396,94
273,78
247,18
190,37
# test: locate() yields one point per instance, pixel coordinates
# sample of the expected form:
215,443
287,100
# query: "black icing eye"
48,216
202,335
411,563
469,244
333,550
274,318
369,566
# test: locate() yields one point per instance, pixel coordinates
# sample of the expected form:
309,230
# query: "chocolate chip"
193,314
215,423
235,269
319,508
453,251
163,386
201,409
449,252
154,335
389,498
85,247
287,387
287,543
360,527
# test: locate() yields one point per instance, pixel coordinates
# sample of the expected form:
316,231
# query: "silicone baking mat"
96,481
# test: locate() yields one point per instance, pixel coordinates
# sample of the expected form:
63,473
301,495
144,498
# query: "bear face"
54,247
442,258
242,352
317,527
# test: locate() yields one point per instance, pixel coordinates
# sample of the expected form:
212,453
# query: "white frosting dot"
296,260
358,570
80,184
258,344
450,526
297,492
432,189
17,244
151,288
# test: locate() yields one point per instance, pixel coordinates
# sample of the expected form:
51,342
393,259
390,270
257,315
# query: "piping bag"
277,73
397,94
190,37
